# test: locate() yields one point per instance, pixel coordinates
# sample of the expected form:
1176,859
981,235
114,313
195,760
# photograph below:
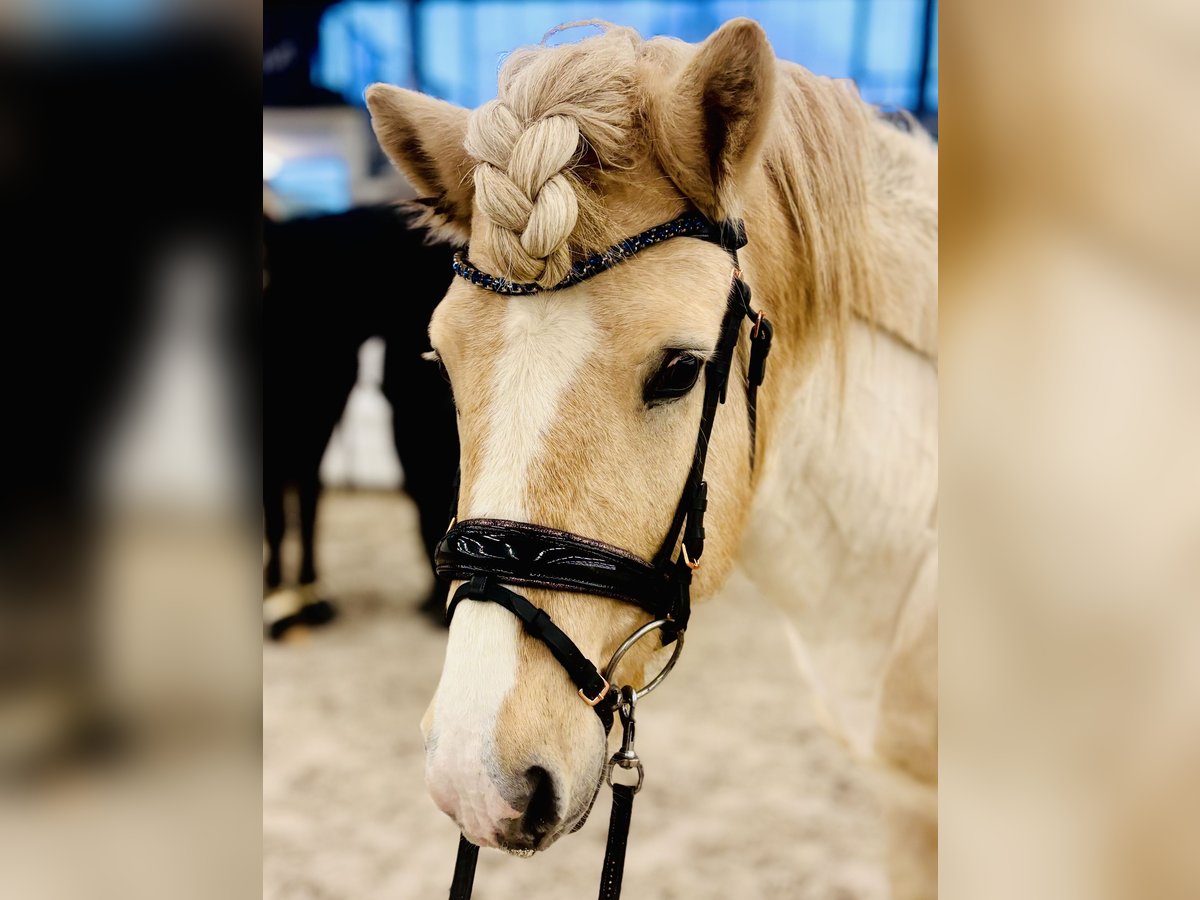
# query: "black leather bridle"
487,553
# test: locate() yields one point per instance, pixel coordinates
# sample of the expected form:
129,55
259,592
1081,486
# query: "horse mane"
812,162
859,196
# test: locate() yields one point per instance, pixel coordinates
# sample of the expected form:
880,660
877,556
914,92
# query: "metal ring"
641,773
654,682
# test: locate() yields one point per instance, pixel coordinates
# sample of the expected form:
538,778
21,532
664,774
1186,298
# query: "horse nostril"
541,812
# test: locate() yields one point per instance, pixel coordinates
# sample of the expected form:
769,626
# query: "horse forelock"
563,128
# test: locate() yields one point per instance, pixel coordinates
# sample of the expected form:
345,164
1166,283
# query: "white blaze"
546,342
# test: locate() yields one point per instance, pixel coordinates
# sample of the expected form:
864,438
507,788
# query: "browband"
731,235
484,552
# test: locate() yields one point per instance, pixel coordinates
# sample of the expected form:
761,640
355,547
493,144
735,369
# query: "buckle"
731,234
692,564
592,701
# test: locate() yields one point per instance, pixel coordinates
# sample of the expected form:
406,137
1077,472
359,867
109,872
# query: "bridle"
484,553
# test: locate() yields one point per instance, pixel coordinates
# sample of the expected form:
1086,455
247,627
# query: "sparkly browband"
730,235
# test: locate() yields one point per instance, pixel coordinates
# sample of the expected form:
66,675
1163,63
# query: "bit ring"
654,682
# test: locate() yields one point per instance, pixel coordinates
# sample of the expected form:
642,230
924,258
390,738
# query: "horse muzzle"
521,812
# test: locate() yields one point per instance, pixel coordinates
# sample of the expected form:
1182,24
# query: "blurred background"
345,810
131,562
318,57
129,525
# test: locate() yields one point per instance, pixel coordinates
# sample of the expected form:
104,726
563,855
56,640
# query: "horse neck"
840,533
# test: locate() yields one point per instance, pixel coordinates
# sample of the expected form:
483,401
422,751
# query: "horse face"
578,409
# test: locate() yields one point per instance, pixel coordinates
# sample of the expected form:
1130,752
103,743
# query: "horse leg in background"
309,489
425,432
315,611
274,524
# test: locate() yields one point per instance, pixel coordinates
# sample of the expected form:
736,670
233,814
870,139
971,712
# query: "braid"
523,190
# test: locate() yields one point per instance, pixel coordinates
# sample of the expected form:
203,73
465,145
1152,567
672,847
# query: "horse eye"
433,357
675,377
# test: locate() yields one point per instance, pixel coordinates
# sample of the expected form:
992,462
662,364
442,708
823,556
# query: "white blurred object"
272,163
360,452
172,444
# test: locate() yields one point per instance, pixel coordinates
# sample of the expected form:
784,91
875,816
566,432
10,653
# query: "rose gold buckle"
692,564
757,325
592,701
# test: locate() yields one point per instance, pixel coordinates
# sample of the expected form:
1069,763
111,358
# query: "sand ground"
745,796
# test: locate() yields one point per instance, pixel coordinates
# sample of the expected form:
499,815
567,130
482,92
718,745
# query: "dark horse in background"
332,282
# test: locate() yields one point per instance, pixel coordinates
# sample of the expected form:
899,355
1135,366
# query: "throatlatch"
482,553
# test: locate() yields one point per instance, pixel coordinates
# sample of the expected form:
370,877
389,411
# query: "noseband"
483,553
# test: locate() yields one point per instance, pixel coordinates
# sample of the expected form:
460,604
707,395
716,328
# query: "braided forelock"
555,103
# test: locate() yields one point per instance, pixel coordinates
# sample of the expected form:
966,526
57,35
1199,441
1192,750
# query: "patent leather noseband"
537,556
486,554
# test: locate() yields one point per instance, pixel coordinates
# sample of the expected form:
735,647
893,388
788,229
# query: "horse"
329,287
829,504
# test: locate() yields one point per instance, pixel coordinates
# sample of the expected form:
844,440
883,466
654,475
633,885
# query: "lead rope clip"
627,757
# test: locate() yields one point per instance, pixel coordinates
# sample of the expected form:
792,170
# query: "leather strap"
538,623
730,234
536,556
760,347
613,872
464,870
688,522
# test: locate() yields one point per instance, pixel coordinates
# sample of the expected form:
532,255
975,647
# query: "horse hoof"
284,610
319,612
288,627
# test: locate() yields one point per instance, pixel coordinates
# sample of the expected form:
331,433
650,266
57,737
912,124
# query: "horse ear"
708,124
423,137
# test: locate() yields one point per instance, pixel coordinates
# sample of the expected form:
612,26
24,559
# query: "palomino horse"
592,142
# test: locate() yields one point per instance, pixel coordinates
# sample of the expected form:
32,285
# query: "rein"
482,553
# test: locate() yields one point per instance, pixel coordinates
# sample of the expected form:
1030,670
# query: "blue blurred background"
319,56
